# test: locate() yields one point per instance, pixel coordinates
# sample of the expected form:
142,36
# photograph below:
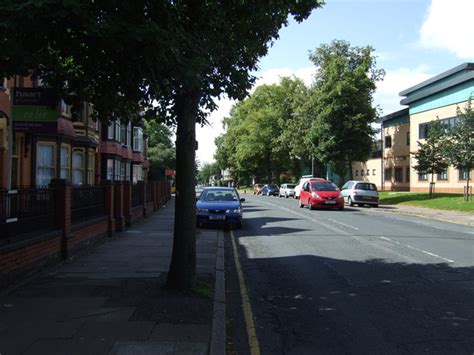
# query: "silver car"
287,190
360,193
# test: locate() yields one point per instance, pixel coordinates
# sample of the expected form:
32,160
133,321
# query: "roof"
443,81
396,114
219,188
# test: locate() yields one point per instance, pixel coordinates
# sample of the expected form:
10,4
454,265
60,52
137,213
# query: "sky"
413,40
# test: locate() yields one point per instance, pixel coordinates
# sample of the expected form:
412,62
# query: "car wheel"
301,203
350,202
376,205
341,208
238,225
310,206
360,204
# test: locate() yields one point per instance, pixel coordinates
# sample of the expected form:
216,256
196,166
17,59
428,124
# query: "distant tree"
340,107
260,139
207,171
459,145
161,152
430,157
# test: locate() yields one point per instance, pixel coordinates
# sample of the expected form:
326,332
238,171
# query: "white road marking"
342,224
337,230
419,250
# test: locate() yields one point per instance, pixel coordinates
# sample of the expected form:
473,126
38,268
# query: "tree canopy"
259,141
164,59
341,104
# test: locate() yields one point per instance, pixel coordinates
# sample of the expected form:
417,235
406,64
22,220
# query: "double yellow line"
247,308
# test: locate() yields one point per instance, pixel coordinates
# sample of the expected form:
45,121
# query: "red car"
321,194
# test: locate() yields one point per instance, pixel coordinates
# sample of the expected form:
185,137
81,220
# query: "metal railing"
25,211
87,202
137,195
149,192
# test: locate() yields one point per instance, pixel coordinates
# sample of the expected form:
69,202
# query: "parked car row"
321,193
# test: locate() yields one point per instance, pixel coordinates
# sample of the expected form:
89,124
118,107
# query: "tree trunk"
182,272
431,186
467,195
341,172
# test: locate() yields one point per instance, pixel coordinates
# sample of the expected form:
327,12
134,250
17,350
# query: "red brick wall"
31,256
85,234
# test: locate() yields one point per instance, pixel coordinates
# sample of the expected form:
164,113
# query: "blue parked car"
219,206
270,190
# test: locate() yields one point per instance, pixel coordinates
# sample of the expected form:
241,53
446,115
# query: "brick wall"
25,257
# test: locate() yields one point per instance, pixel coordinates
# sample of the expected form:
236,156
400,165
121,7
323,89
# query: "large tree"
260,139
126,56
341,104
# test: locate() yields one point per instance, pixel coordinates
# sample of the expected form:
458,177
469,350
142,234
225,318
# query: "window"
110,131
45,169
117,171
361,172
443,176
388,141
128,137
374,172
110,169
407,174
388,174
137,173
123,134
127,171
65,109
65,161
399,174
408,138
357,173
422,176
78,168
90,168
2,83
123,168
368,172
117,130
138,139
423,130
463,174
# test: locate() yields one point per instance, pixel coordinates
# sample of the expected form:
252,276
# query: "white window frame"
117,170
117,131
65,162
80,169
138,139
90,168
51,168
110,169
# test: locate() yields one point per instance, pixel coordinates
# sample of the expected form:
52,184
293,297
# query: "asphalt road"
358,281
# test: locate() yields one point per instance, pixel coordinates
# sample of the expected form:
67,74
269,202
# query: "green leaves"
341,104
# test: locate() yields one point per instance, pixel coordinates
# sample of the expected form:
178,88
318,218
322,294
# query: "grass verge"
441,201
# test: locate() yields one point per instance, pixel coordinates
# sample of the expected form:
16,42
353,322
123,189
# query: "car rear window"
323,186
290,186
366,186
272,186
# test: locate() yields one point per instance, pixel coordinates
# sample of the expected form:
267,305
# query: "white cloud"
206,135
448,25
387,94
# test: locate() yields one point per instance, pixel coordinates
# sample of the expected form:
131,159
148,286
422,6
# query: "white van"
300,183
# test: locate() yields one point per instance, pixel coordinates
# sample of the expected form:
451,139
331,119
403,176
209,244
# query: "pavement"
464,218
111,300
